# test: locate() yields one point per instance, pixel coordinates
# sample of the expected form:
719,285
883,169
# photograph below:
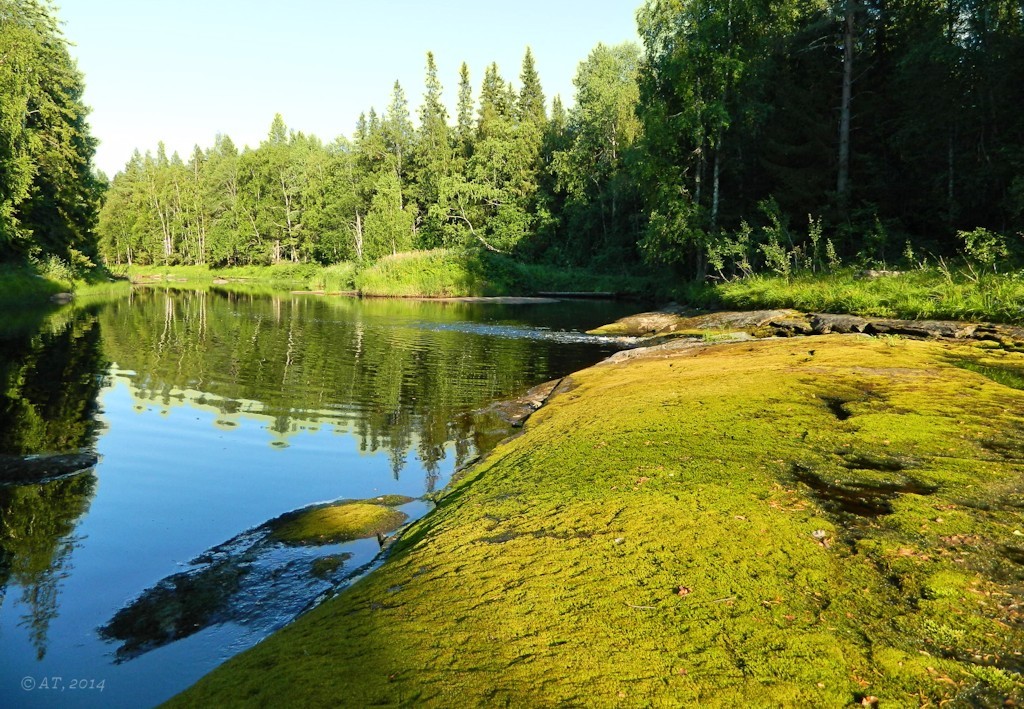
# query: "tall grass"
21,284
450,272
919,294
437,273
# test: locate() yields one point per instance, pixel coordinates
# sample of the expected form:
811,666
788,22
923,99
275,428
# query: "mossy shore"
820,521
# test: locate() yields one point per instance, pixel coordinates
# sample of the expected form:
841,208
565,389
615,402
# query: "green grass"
24,284
673,532
918,294
452,273
285,275
437,273
339,277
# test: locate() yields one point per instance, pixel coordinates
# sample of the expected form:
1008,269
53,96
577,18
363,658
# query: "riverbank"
22,284
825,521
440,273
923,293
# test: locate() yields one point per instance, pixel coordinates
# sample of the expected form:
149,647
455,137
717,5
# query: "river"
211,412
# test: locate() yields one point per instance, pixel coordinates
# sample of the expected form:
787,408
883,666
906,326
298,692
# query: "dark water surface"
212,412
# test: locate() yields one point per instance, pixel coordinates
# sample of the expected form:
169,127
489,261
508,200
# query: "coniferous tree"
49,195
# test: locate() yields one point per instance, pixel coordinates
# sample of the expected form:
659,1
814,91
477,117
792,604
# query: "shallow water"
213,412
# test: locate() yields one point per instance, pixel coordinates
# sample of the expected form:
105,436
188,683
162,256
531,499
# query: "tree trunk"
714,192
359,237
950,163
843,178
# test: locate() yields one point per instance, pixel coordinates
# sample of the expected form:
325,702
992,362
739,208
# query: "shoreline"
508,514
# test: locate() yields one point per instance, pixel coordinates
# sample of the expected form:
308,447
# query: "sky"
184,71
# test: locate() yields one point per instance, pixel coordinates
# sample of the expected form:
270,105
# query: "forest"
740,137
49,192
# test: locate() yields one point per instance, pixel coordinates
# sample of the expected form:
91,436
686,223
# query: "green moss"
649,540
337,523
325,566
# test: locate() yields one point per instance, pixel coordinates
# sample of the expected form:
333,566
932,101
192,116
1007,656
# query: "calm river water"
212,412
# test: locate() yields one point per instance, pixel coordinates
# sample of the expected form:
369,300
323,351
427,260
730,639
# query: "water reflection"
222,410
49,369
37,524
376,369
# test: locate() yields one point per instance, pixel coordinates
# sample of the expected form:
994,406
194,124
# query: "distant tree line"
744,135
503,176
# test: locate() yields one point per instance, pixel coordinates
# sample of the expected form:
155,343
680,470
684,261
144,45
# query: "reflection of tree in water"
37,523
370,368
50,380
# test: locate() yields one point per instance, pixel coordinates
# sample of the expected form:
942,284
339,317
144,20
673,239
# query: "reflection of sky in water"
189,459
142,527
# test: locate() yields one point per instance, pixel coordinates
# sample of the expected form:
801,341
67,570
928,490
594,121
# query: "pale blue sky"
183,70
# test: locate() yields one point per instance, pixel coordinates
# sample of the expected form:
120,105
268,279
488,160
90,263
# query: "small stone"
619,540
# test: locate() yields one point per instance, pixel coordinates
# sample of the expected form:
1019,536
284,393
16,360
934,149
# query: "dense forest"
49,194
741,136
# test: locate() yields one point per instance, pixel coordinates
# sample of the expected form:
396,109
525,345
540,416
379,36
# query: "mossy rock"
675,532
391,500
326,566
333,524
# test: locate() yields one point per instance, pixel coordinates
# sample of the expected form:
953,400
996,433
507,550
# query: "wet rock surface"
675,321
24,469
259,578
514,412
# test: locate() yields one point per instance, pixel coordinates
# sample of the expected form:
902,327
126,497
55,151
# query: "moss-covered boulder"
342,522
677,321
823,521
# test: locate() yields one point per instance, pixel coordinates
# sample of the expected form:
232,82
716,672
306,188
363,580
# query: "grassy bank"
446,273
437,273
22,284
287,276
28,285
917,294
806,522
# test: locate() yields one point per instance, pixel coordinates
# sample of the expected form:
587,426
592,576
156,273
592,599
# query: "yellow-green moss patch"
338,523
675,532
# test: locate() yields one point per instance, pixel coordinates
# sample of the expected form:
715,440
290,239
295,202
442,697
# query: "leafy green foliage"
701,152
48,193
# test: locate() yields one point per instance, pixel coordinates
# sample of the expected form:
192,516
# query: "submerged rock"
515,411
263,577
337,523
27,469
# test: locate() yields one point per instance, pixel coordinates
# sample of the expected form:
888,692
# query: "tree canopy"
739,134
49,196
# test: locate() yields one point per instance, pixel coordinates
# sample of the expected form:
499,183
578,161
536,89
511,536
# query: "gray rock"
827,323
924,329
29,469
